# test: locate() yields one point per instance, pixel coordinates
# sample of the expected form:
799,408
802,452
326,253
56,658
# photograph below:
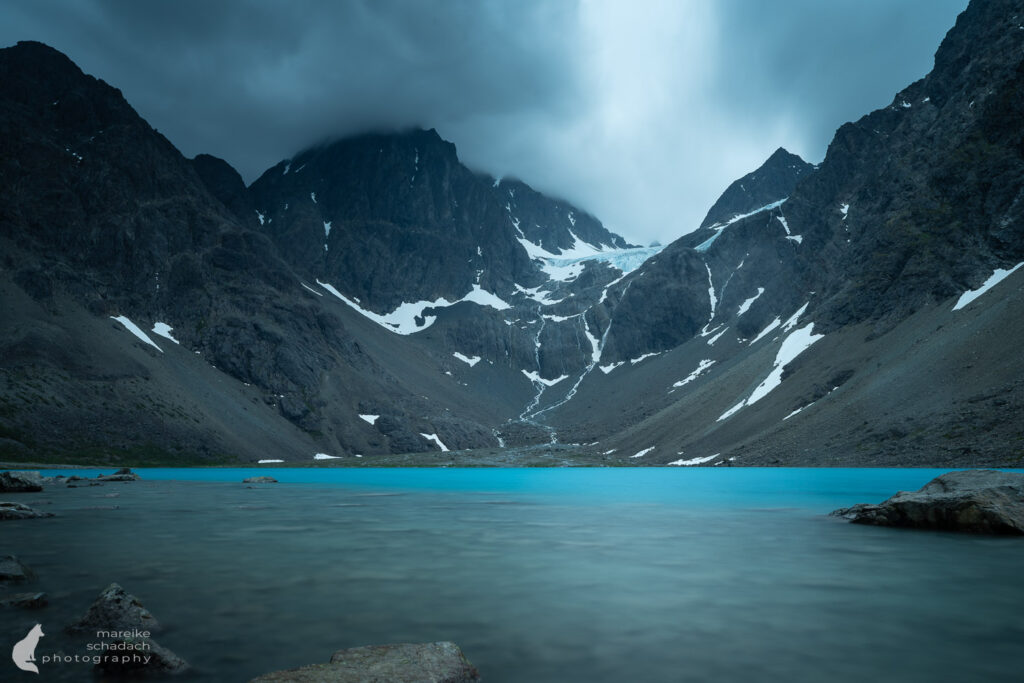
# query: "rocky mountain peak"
771,181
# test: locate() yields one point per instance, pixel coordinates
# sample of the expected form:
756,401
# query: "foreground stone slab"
123,474
975,501
20,482
13,571
24,600
116,610
19,511
401,663
259,480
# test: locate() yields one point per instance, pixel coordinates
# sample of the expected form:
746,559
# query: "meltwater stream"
540,575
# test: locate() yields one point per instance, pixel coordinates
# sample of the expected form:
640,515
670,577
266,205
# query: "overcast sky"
640,112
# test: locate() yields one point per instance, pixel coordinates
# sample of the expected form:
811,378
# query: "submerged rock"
123,474
20,482
116,610
259,480
13,571
137,657
24,600
401,663
977,501
19,511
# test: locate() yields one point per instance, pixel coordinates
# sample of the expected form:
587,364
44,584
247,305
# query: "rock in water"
20,482
401,663
19,511
13,571
116,610
24,600
123,474
259,480
138,657
977,501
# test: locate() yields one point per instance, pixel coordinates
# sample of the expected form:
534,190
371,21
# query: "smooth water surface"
541,575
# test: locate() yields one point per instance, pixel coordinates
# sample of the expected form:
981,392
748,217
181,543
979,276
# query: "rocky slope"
860,263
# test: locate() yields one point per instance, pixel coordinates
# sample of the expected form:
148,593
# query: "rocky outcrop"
116,610
24,600
259,480
775,179
976,501
441,662
20,482
123,474
13,571
19,511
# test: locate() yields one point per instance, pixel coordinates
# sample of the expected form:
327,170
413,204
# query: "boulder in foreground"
19,511
123,474
20,482
13,571
402,663
116,610
24,600
975,501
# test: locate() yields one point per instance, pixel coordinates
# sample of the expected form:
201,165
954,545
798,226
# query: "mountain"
140,283
372,295
825,329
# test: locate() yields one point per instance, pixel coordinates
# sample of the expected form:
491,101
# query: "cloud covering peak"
641,112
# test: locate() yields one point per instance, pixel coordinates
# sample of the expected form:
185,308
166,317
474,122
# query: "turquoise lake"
540,575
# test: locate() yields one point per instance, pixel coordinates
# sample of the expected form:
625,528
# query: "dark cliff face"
772,181
933,182
358,211
101,216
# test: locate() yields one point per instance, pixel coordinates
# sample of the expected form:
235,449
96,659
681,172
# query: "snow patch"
634,361
311,289
711,342
468,360
266,462
312,195
608,368
164,330
324,456
694,461
402,320
372,419
642,453
745,306
134,329
792,346
796,238
436,440
535,377
998,276
701,367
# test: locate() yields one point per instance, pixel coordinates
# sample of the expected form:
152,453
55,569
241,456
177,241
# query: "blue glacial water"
541,575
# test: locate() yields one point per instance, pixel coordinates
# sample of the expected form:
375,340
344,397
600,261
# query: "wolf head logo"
24,653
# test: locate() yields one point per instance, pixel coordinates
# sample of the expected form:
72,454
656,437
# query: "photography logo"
24,652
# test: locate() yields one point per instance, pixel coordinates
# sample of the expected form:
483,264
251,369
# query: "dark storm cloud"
821,64
256,81
640,112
